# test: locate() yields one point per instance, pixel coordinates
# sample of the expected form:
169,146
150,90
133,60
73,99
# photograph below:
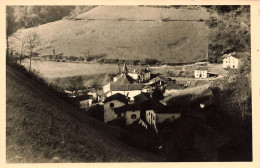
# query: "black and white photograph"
128,83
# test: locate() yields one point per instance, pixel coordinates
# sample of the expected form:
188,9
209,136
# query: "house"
111,102
141,75
84,100
131,112
201,72
155,112
123,84
232,61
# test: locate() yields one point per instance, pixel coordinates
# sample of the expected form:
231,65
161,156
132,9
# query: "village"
137,95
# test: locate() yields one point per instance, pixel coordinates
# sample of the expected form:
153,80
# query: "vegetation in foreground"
39,131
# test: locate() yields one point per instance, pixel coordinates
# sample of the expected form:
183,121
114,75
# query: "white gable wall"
200,73
151,117
231,62
135,76
109,113
106,88
132,116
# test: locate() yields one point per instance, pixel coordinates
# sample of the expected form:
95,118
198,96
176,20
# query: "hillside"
169,35
40,127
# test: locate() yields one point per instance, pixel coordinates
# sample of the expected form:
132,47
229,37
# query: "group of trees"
229,30
30,16
27,44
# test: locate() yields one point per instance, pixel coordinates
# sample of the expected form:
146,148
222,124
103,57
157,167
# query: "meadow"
52,70
181,38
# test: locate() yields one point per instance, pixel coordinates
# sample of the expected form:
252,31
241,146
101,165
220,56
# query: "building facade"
201,72
230,61
114,101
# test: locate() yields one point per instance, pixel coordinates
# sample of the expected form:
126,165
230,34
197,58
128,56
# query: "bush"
97,112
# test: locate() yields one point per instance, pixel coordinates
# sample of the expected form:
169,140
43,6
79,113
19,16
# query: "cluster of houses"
130,95
145,110
231,60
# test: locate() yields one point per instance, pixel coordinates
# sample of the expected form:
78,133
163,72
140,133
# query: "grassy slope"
52,70
40,129
172,42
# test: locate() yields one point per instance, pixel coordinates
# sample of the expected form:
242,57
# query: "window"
133,116
112,105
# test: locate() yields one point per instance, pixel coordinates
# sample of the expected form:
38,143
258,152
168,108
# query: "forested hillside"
30,16
229,30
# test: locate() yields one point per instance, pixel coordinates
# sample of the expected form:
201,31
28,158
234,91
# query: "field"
180,41
42,128
53,70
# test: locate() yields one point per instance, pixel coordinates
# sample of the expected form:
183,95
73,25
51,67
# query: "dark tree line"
30,16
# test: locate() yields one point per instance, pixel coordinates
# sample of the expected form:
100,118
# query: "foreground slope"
40,128
169,35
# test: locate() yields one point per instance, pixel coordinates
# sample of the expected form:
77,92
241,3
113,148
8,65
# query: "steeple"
124,70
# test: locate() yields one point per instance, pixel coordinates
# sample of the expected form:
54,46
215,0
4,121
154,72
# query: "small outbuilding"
201,72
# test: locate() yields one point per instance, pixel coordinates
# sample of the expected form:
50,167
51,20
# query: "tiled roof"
142,97
125,87
202,68
124,79
234,54
117,96
127,107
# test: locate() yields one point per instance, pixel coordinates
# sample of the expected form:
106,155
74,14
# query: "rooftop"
117,96
142,98
127,107
234,54
125,87
124,79
202,68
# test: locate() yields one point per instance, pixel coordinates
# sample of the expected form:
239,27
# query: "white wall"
115,78
106,88
151,117
109,113
197,73
133,75
147,76
128,115
231,62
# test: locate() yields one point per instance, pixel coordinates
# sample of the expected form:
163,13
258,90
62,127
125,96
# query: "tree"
32,44
19,43
229,30
86,55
